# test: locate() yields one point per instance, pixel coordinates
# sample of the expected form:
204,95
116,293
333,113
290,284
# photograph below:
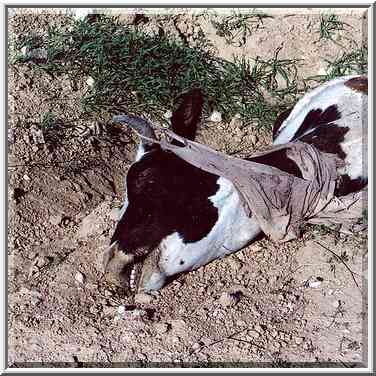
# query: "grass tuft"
134,72
236,27
329,25
355,62
48,120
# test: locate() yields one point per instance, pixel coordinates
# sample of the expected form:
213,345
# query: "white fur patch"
232,232
351,105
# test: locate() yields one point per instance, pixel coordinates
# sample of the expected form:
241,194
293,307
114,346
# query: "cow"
177,217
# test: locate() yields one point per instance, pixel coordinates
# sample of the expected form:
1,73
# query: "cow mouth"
121,269
134,277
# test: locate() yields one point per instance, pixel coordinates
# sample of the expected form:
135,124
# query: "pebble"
196,346
121,310
37,135
258,328
299,340
229,299
254,139
114,214
26,177
11,136
135,314
167,115
274,333
56,219
314,284
107,293
42,261
254,334
161,328
143,298
179,325
215,117
90,81
79,277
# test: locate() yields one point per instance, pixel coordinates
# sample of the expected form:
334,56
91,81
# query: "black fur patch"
328,139
318,118
166,194
347,185
279,160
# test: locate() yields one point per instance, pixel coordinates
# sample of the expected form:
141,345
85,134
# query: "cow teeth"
132,279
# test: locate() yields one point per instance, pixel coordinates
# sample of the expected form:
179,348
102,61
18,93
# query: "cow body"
179,217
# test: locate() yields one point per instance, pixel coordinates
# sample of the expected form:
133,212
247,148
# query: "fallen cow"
187,204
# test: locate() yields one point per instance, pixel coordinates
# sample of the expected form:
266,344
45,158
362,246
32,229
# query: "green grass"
48,120
354,62
236,27
330,25
140,73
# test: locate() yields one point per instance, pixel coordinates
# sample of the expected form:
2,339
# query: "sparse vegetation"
48,120
236,27
131,71
329,25
355,62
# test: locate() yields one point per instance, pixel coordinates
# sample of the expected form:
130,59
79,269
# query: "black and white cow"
193,217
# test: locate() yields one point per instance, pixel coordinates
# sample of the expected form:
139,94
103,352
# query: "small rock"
42,261
196,346
215,117
237,123
254,139
167,115
254,334
229,299
26,177
121,310
175,339
89,226
11,136
179,325
299,340
258,328
37,135
161,328
24,50
90,81
143,298
56,219
314,284
274,333
107,293
79,277
114,214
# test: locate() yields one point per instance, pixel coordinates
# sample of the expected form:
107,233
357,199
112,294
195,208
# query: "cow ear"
185,118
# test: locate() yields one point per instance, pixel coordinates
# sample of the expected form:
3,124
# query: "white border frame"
193,3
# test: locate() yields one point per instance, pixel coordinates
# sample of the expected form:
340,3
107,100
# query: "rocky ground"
268,305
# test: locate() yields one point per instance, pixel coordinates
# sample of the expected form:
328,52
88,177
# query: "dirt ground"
269,305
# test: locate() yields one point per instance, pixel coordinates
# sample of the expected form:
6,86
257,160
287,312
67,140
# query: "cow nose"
113,256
